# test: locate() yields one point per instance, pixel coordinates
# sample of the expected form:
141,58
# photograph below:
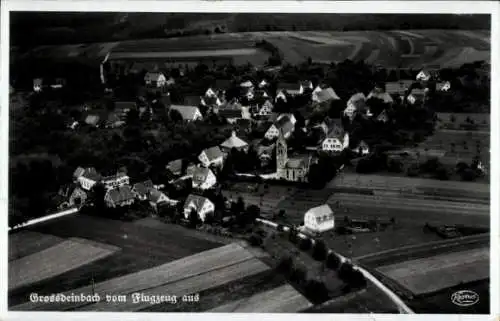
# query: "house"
295,168
357,103
87,177
305,86
117,180
219,88
398,88
383,117
73,195
319,219
175,167
92,120
37,84
157,198
284,126
113,121
233,111
336,140
123,107
266,108
416,95
362,148
188,113
278,116
201,205
264,152
155,79
119,197
234,142
204,178
263,83
324,95
210,101
211,156
141,190
443,86
378,93
424,75
284,89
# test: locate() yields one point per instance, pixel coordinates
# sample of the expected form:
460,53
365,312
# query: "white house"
362,148
202,205
443,86
204,178
87,177
336,139
211,156
283,125
319,219
188,113
155,79
266,109
117,180
424,75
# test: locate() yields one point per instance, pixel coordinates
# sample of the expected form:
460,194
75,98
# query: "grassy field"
65,256
283,299
24,243
431,274
483,120
188,285
142,248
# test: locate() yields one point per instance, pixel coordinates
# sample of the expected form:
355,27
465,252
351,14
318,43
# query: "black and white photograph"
249,162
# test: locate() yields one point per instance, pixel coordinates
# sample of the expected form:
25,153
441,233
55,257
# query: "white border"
254,6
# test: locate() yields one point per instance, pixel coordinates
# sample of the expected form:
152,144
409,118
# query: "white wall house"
335,143
319,219
423,75
204,178
202,205
362,147
155,79
211,156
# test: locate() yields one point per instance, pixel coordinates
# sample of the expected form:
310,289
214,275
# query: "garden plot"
24,243
439,272
187,285
283,299
186,267
55,260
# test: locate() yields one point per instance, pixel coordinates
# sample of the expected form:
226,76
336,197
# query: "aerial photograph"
249,162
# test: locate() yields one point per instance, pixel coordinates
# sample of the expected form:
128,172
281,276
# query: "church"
295,169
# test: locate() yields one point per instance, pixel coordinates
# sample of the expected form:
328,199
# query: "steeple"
281,150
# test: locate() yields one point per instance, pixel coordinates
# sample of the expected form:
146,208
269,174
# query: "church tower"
281,154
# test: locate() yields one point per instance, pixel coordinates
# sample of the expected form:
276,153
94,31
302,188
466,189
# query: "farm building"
319,219
204,178
325,95
119,197
188,113
141,189
380,94
234,142
117,180
398,88
155,79
336,138
202,205
212,156
87,177
283,126
295,169
362,148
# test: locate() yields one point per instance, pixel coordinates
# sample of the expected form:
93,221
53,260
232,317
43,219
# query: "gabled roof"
175,166
363,144
356,97
210,100
187,112
382,114
155,195
143,188
78,172
200,175
190,169
381,95
234,142
246,84
320,211
335,131
195,201
284,125
121,194
327,95
306,84
288,86
213,153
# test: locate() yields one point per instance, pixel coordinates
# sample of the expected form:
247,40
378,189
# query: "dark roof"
200,175
154,195
91,173
192,100
187,112
327,95
288,86
143,188
284,125
121,194
398,87
175,166
196,200
230,113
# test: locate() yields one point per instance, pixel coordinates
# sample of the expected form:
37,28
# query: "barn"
319,219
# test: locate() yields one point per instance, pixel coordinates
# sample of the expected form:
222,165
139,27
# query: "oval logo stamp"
465,298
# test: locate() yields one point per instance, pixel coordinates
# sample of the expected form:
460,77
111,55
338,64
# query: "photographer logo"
465,298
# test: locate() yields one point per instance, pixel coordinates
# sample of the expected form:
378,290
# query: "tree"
395,166
346,271
319,250
305,244
175,116
194,219
253,212
98,192
333,261
255,240
285,265
298,275
316,291
468,175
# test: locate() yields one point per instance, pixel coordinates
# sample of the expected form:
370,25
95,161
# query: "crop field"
281,299
188,285
55,260
431,274
24,243
142,248
481,119
185,268
408,49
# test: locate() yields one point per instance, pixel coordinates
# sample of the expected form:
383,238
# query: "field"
142,248
281,299
24,243
55,260
406,49
442,271
482,119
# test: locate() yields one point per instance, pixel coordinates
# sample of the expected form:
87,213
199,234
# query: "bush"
255,240
413,171
319,251
316,291
280,228
297,275
285,265
346,271
333,261
468,175
305,244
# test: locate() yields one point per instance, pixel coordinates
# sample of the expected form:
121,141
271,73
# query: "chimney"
233,133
